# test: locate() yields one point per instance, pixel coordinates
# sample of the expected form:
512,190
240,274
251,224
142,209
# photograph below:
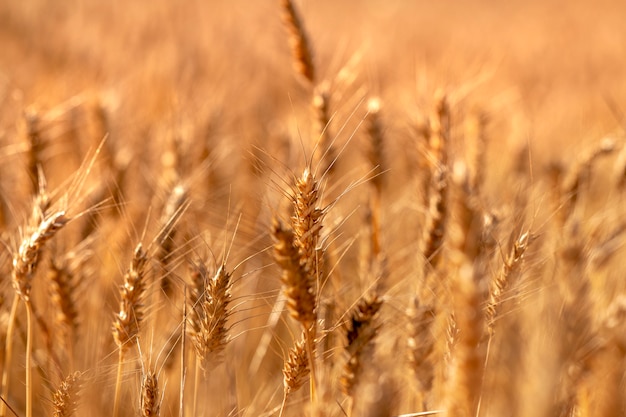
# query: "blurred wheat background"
324,208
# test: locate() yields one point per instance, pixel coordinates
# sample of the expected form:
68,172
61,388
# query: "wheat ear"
171,213
510,268
210,333
150,401
65,398
35,147
435,227
25,263
209,303
300,45
128,319
360,331
295,371
298,287
572,183
325,152
62,292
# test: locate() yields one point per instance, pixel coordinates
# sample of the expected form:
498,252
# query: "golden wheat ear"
211,334
295,371
361,330
301,49
298,285
65,398
150,398
127,321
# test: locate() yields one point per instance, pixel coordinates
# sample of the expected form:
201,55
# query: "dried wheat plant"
356,208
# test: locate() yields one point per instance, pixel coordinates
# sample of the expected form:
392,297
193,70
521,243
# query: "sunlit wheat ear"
297,283
434,230
301,50
27,257
361,330
435,227
307,222
65,398
211,337
63,283
172,212
150,399
199,276
128,320
296,369
511,267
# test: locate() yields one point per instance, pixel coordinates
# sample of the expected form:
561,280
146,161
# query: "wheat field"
298,208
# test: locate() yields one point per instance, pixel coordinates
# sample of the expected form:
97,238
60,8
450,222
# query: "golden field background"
204,95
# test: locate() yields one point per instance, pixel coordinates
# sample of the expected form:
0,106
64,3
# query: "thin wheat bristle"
300,45
212,336
65,398
360,331
127,321
26,259
298,284
150,401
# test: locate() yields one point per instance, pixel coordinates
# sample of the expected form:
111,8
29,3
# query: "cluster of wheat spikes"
154,264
